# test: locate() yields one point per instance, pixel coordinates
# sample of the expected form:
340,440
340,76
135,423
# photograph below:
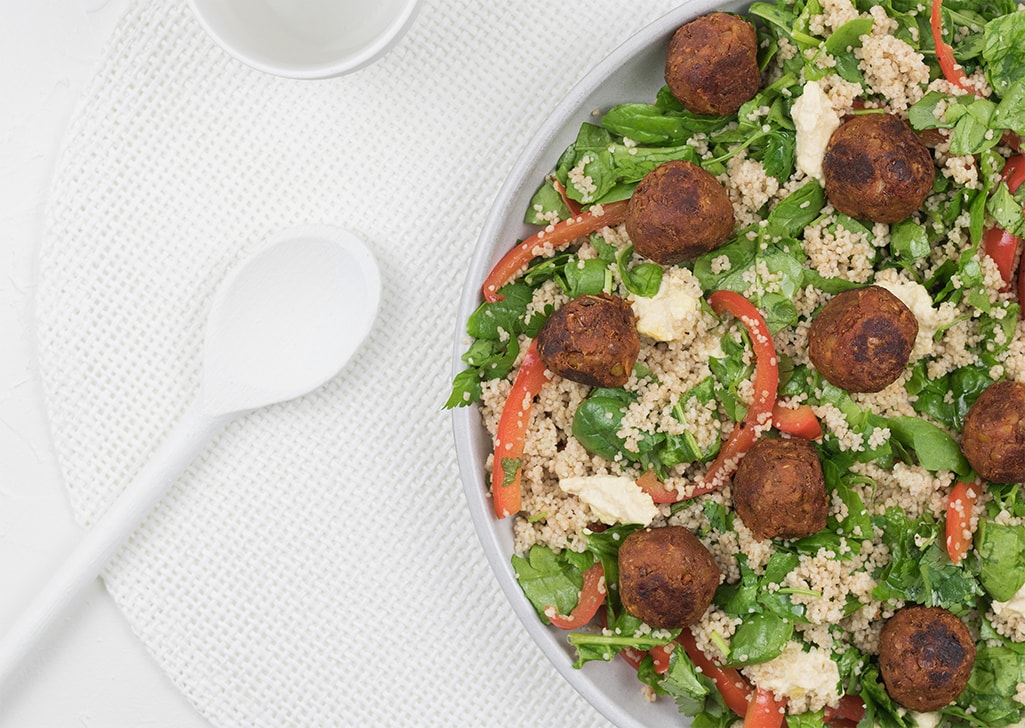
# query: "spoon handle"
102,540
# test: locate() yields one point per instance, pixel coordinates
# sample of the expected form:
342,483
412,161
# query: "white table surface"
91,672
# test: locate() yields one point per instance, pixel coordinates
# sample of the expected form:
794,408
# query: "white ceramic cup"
307,39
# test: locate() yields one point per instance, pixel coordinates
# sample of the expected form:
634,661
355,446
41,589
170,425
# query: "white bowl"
306,39
633,72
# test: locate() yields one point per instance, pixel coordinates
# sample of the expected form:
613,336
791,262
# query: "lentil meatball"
862,339
994,433
712,64
666,576
926,656
779,490
876,168
677,212
592,340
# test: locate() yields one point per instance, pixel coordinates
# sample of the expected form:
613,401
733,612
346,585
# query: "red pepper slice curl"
759,415
512,431
959,519
800,422
764,710
592,596
945,53
558,235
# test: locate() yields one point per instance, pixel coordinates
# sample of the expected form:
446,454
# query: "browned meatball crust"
677,212
666,576
877,169
712,64
862,339
994,433
926,656
592,340
779,490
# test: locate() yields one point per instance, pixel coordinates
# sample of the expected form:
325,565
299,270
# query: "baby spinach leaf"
919,570
1004,51
551,579
1001,558
759,638
947,399
841,44
933,447
994,680
797,210
598,420
643,279
545,201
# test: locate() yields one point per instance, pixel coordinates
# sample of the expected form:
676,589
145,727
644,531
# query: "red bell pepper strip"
945,53
592,596
764,710
959,519
512,431
759,414
800,422
734,689
999,244
850,711
558,235
650,484
766,382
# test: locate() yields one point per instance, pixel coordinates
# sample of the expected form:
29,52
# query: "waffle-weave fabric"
316,566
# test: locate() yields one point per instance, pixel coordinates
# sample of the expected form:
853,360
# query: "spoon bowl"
280,325
285,322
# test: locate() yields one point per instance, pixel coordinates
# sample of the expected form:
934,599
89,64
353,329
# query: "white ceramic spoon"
280,325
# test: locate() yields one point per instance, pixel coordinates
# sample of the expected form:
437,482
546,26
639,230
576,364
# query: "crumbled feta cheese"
926,720
815,121
668,315
1013,608
614,499
915,296
807,679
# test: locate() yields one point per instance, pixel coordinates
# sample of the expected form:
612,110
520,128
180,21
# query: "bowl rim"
494,239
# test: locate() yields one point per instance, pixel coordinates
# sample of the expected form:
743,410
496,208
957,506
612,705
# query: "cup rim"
364,56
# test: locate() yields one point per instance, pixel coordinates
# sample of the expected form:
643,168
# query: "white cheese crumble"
1013,608
927,720
815,120
915,296
669,314
614,499
808,680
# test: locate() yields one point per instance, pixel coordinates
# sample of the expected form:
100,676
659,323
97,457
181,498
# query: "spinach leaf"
643,279
760,638
551,579
657,124
933,447
797,210
998,671
598,420
947,399
545,201
841,44
1001,559
1004,51
919,570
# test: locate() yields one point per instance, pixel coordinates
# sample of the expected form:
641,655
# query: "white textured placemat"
317,565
